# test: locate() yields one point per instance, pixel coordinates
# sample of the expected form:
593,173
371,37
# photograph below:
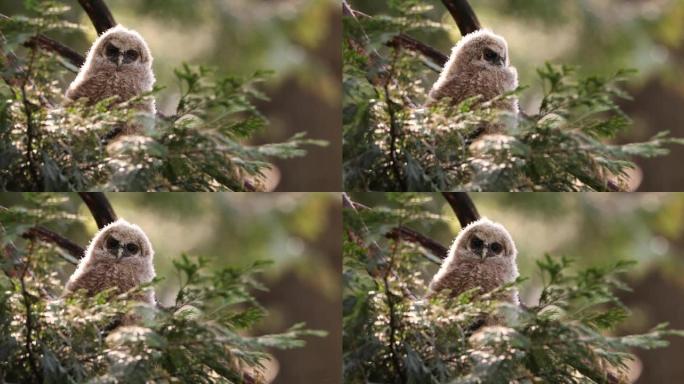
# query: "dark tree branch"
463,207
99,14
48,44
46,235
400,41
99,207
463,14
397,233
411,44
460,203
45,43
408,234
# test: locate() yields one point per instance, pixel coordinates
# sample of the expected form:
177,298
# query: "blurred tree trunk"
296,108
320,361
657,106
657,298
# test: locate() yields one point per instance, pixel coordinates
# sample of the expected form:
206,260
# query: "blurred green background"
600,36
300,232
595,229
298,39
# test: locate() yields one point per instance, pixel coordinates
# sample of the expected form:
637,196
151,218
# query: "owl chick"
482,255
478,66
118,64
119,256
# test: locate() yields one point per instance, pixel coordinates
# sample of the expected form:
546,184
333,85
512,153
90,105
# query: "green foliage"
391,333
392,142
201,338
45,145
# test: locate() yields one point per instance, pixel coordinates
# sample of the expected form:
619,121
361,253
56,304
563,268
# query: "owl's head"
121,242
484,241
482,52
482,49
121,49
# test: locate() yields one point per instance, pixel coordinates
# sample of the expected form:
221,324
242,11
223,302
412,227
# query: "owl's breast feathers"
468,275
471,83
102,276
103,84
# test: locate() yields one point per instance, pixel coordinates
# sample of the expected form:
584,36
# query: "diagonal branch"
99,14
463,207
99,207
48,44
43,42
401,232
463,14
412,236
46,235
399,41
410,44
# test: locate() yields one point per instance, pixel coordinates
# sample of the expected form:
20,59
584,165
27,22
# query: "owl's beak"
119,60
119,253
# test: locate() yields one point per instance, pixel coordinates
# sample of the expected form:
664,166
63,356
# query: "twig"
99,14
463,15
463,207
29,325
30,128
374,249
394,128
46,235
99,207
396,361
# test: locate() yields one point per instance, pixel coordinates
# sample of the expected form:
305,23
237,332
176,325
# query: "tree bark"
99,207
463,207
99,14
44,234
463,15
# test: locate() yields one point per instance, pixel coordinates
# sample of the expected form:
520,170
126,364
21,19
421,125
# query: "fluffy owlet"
478,66
482,255
118,64
119,256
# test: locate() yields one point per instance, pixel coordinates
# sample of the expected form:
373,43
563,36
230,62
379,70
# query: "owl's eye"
476,243
111,50
492,56
132,248
496,248
130,56
112,243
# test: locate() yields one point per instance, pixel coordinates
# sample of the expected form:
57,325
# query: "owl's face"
121,49
485,241
486,51
122,242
